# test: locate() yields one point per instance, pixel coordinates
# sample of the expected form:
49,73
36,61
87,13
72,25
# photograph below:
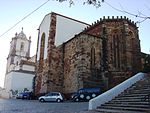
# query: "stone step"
141,90
131,95
130,100
143,81
116,111
134,103
127,105
141,85
136,109
137,92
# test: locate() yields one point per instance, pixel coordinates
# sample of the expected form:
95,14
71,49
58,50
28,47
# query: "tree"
96,3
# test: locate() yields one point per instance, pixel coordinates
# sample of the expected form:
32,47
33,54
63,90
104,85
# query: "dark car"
24,95
85,94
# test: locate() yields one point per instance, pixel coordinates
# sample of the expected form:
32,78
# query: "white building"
64,28
20,69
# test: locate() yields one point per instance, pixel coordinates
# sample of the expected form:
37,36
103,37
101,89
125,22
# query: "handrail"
112,93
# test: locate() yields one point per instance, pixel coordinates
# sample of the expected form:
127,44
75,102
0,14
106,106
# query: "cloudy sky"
14,11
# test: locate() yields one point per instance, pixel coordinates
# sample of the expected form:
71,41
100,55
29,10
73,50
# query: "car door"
48,97
54,96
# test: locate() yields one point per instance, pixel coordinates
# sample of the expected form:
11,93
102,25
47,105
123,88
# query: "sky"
13,11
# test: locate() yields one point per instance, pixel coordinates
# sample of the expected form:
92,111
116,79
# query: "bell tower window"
22,46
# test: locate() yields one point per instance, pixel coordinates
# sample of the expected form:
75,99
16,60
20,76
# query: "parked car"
52,96
85,94
24,95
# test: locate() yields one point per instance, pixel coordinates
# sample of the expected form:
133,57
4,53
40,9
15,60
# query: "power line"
24,18
123,11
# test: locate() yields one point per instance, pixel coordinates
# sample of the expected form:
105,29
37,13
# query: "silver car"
52,96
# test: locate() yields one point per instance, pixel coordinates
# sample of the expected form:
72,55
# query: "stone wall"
105,54
82,54
55,73
122,47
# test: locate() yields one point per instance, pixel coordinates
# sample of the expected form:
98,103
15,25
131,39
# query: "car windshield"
52,94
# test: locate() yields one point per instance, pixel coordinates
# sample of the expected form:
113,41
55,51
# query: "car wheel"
77,100
42,100
88,97
58,100
81,96
93,95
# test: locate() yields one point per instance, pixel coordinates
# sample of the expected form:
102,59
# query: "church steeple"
19,49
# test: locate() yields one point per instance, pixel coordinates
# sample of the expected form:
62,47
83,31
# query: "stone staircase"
133,100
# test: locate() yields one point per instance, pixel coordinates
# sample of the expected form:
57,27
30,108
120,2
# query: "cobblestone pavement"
33,106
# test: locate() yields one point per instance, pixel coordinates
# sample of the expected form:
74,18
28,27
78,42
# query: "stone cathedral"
72,54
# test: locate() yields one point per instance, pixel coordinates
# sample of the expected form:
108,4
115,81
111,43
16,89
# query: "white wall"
66,28
7,83
19,81
44,28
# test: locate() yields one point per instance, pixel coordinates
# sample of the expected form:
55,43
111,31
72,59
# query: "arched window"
92,57
130,48
42,46
22,46
116,49
131,39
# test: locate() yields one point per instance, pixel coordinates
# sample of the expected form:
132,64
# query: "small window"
22,46
49,94
55,94
17,63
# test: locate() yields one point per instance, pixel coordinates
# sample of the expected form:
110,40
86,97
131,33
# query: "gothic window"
22,46
131,39
42,46
92,57
116,51
130,48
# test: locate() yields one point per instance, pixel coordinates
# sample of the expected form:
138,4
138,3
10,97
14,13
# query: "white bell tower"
19,50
